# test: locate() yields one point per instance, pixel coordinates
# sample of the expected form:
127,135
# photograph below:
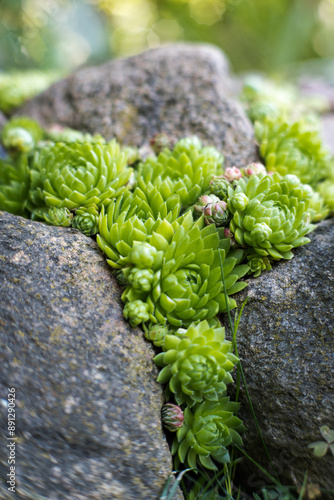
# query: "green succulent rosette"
78,175
292,149
270,214
326,190
196,365
187,284
58,133
21,134
258,263
14,185
18,86
136,312
156,334
206,433
135,217
58,216
86,220
186,171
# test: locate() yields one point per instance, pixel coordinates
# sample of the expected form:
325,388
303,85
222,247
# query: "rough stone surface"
286,345
178,89
87,404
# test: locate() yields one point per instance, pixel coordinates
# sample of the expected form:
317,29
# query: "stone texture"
178,89
286,345
87,404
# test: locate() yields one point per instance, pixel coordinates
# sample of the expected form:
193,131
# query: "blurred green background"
265,35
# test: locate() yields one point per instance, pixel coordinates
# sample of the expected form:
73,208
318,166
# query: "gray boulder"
286,345
87,405
179,89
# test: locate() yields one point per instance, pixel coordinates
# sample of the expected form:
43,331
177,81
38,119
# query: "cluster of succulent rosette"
180,232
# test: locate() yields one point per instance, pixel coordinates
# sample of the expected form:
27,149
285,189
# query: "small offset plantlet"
320,448
58,217
206,433
156,333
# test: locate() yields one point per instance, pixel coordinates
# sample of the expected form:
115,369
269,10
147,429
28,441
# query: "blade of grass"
242,373
168,492
302,491
262,469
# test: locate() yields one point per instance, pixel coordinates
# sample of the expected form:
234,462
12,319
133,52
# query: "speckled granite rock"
87,404
286,344
178,89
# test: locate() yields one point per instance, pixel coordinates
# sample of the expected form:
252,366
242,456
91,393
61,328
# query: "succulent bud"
216,213
143,255
232,174
239,201
87,223
253,169
228,234
204,201
218,186
161,141
157,334
172,417
136,312
58,217
141,279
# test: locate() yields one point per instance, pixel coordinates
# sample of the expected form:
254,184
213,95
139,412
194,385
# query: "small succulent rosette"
57,216
14,185
135,217
270,214
258,263
326,190
207,432
196,365
21,134
77,175
186,170
86,220
156,333
292,149
219,187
